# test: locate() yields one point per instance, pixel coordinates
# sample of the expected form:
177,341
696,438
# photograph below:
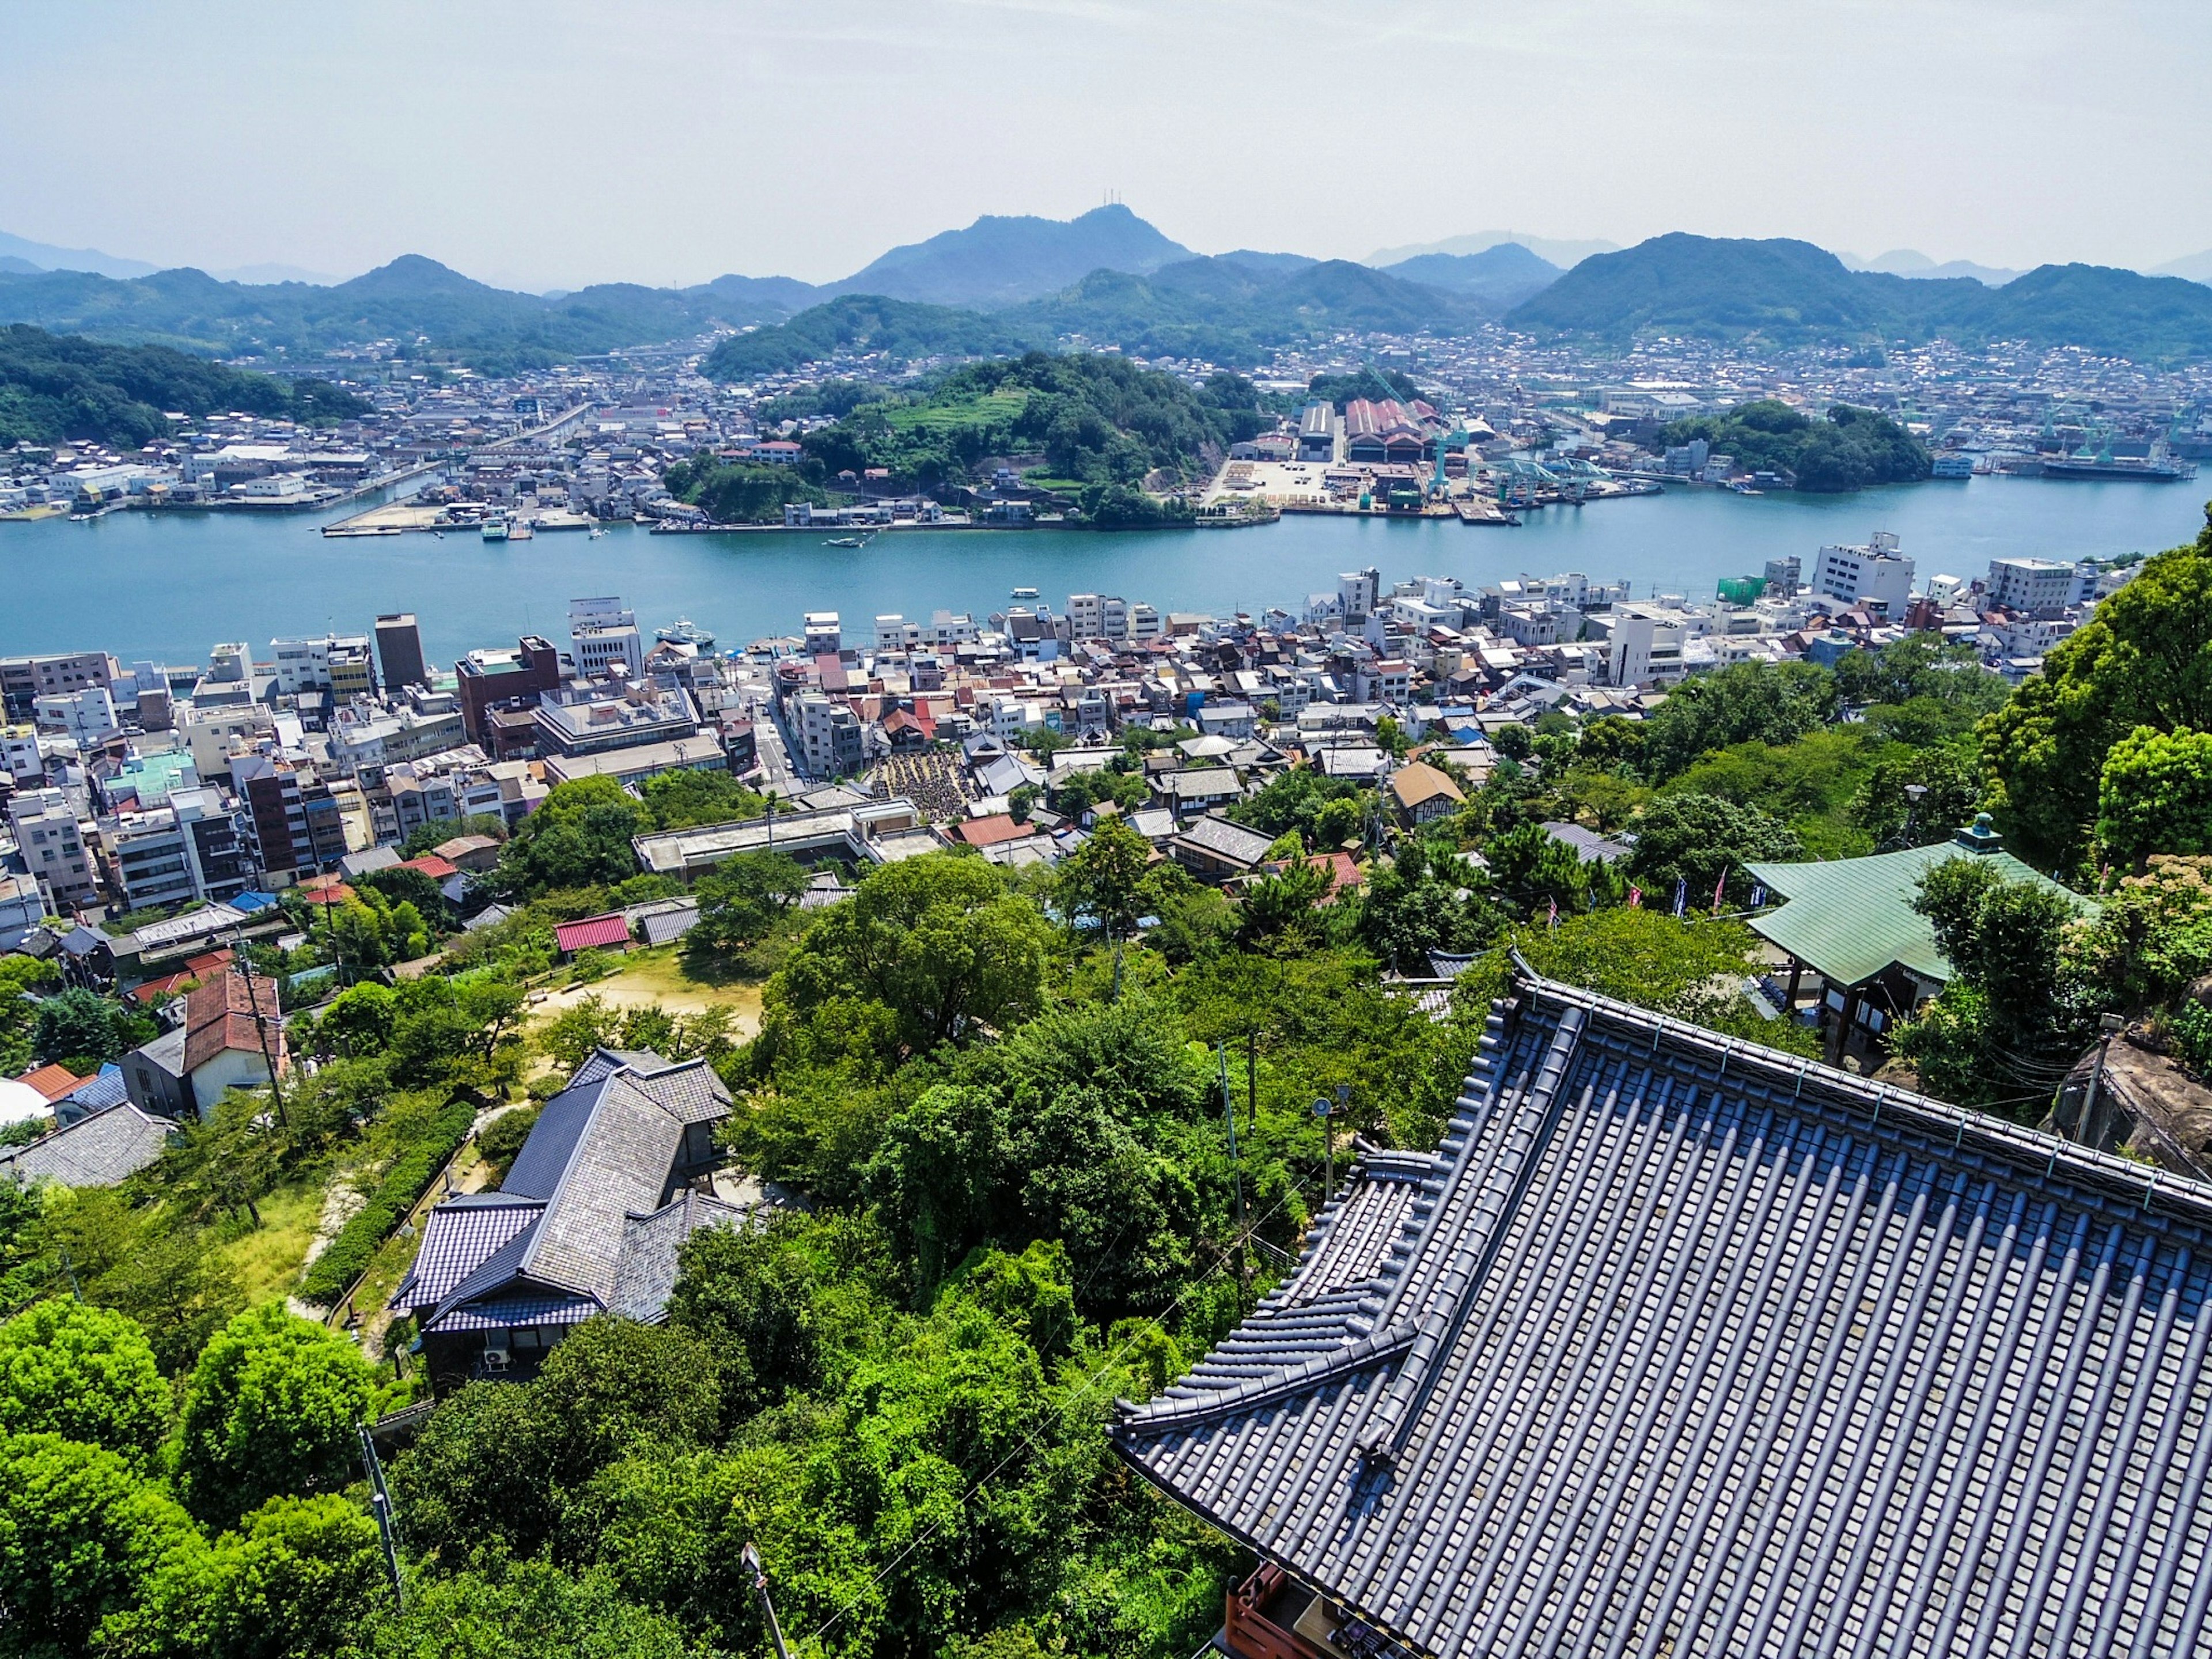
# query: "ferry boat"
494,530
685,632
1025,593
520,530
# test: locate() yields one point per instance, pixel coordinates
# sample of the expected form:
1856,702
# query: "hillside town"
1519,422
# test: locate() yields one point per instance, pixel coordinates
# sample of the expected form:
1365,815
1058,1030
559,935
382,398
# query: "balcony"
1273,1616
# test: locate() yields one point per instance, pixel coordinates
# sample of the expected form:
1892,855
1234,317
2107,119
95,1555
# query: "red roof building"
990,831
51,1082
431,865
592,933
225,1015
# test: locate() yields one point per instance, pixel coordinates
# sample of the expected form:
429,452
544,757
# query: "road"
777,772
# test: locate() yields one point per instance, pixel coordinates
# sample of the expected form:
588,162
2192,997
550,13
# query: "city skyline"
334,145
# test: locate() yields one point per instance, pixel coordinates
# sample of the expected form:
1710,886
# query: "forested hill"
1231,310
58,386
1791,293
1850,450
432,310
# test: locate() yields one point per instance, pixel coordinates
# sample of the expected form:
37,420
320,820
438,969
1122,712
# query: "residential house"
612,1180
230,1037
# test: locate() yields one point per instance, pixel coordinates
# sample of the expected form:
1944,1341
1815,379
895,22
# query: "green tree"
1104,879
685,799
298,1580
1762,703
1700,840
1415,905
2144,659
358,1021
85,1028
2013,1016
1281,912
579,836
926,950
741,900
429,837
84,1373
269,1411
2155,796
81,1538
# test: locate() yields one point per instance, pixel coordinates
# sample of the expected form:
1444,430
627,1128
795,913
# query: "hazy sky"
552,144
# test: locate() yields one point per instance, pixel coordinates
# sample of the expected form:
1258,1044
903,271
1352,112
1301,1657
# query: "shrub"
348,1255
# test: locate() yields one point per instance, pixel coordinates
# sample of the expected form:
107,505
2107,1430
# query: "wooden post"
1796,971
1840,1038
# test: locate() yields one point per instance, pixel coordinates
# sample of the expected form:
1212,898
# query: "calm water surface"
167,586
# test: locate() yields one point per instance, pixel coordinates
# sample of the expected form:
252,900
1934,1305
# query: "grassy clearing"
1003,405
268,1259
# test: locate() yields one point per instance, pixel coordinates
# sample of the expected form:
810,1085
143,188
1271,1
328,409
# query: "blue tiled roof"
531,1305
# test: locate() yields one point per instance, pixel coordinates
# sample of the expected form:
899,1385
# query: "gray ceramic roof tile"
102,1150
1690,1348
647,1271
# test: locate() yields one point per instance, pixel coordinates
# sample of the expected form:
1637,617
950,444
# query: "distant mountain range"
1793,294
999,262
1108,278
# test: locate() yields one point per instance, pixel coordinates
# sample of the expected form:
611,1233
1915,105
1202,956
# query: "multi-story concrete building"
2037,587
24,680
399,650
295,823
1875,576
50,841
585,720
603,633
830,736
339,663
1644,643
87,715
504,679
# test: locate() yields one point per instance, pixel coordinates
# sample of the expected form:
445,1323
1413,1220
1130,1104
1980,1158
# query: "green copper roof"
1850,919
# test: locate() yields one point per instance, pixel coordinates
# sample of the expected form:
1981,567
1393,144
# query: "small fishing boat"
686,632
1025,593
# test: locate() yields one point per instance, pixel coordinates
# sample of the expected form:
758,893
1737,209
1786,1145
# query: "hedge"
332,1273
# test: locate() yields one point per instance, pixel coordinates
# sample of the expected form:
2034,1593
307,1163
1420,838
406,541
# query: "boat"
850,541
1025,593
520,530
685,632
598,530
494,530
2150,470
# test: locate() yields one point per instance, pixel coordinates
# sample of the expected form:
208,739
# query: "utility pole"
261,1030
752,1560
1321,1109
1229,1111
2111,1025
379,1503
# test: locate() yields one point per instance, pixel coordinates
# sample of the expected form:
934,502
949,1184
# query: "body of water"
166,587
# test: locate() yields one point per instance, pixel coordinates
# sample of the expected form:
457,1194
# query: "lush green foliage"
409,1175
83,1028
2155,795
743,492
86,1374
1097,419
2144,659
269,1410
1852,448
54,386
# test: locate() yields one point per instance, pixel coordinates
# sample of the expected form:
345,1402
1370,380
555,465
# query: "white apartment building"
1358,592
51,844
896,632
1875,576
1101,616
336,663
87,715
824,634
602,633
1145,622
2039,587
830,736
1644,643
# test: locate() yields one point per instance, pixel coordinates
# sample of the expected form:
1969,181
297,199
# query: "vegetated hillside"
1002,261
864,323
434,311
1225,310
1852,448
1791,293
2118,313
1788,292
1272,265
58,386
1101,422
1505,275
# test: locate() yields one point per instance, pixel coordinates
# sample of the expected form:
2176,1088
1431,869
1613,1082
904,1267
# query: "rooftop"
1678,1344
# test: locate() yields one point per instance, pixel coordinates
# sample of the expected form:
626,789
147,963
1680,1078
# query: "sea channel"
165,585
